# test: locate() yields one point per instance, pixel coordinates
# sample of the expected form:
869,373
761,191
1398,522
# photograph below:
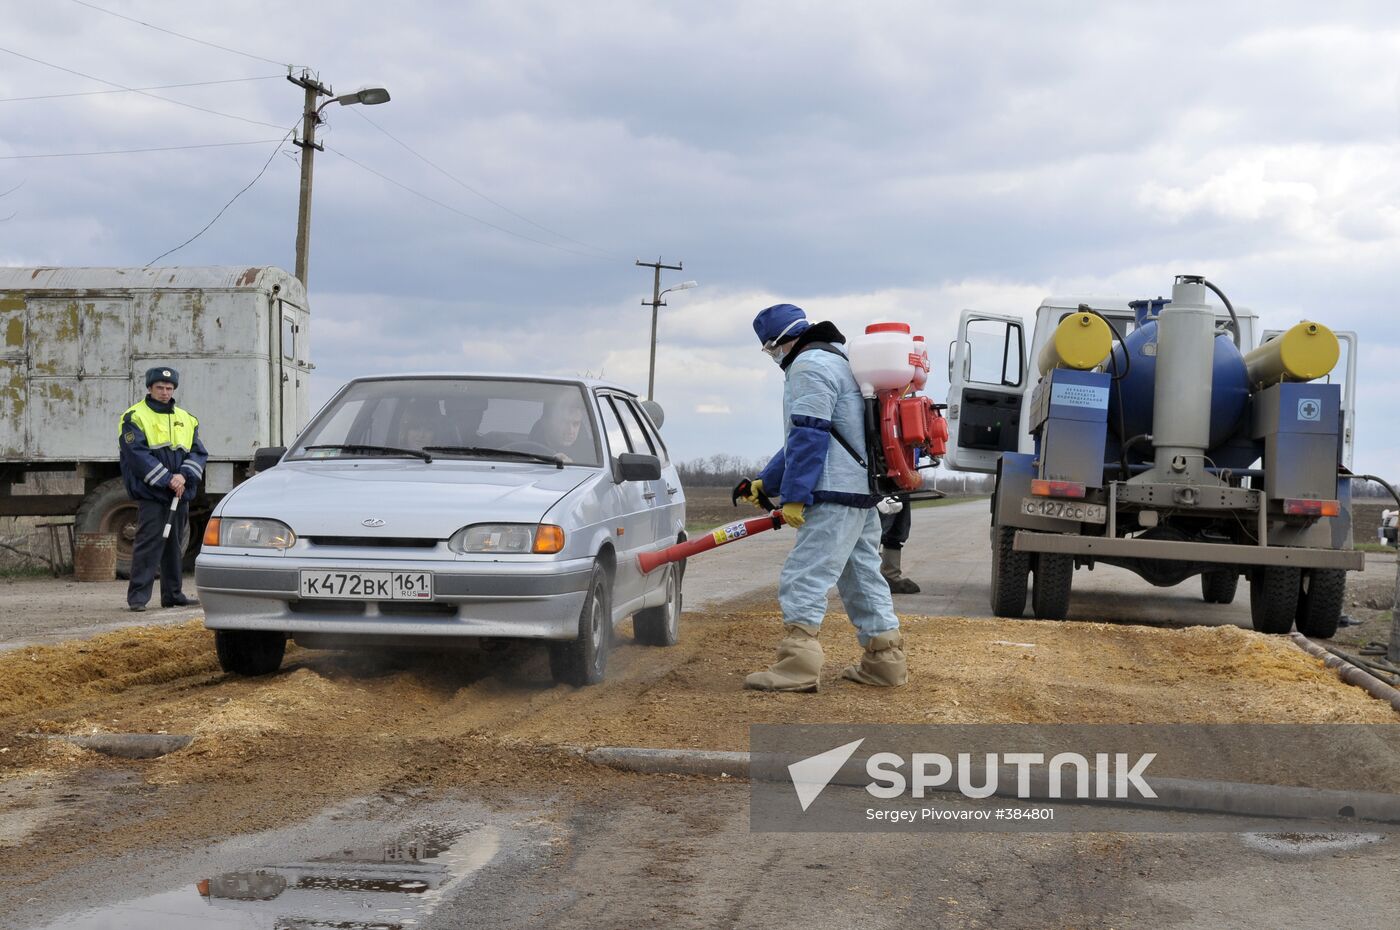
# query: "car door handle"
649,495
671,490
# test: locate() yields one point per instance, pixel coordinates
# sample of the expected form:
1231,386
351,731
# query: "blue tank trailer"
1173,454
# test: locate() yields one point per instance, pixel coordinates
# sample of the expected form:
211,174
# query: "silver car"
424,509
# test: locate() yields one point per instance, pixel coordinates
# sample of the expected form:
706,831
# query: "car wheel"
583,661
250,652
1273,598
661,625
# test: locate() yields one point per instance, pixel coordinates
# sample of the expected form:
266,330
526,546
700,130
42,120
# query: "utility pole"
307,143
655,303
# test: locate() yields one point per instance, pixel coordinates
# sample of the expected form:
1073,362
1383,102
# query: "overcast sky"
871,160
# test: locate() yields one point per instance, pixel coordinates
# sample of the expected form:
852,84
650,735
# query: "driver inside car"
558,428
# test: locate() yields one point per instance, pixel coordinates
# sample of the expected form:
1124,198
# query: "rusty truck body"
76,344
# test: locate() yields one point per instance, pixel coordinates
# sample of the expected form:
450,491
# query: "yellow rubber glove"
792,514
755,488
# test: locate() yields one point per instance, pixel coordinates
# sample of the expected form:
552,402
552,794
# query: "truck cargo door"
14,368
290,375
1345,375
79,353
986,382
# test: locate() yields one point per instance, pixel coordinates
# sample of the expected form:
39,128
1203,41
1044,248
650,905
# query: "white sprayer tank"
921,372
885,357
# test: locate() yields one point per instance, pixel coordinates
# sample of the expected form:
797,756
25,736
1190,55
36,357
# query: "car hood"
417,499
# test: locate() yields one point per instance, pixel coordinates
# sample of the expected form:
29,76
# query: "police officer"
161,459
827,500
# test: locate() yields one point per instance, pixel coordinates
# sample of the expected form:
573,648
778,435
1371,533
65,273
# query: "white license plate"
1064,510
368,586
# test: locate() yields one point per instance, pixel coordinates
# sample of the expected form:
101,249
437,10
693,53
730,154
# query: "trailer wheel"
1273,598
1219,587
1010,573
108,509
250,652
1054,575
1320,599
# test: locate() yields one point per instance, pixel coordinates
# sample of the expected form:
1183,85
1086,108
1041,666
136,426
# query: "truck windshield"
456,418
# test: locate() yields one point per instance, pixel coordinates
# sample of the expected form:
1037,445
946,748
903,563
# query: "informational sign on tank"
1079,395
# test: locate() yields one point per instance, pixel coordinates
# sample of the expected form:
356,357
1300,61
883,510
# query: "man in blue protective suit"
827,499
162,460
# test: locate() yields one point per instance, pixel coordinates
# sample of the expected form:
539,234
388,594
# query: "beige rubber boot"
799,664
883,664
890,567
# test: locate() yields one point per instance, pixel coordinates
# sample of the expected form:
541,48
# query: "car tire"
1010,573
1273,598
250,652
584,660
1320,600
1219,587
661,625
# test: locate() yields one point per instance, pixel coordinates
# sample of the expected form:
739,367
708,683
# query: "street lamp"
656,302
311,118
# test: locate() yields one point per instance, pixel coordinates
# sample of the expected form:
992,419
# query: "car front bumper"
528,600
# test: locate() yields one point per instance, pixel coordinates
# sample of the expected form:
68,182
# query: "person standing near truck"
162,459
827,499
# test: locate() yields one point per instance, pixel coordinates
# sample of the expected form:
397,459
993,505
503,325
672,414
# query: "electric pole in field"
311,118
656,303
309,148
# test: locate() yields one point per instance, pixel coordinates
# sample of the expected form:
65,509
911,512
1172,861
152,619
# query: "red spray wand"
650,561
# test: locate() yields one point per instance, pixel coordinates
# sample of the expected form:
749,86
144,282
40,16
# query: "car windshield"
455,418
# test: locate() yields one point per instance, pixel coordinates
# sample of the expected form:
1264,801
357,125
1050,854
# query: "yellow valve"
1306,351
1082,341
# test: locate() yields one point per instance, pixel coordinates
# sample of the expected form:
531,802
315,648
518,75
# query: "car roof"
589,383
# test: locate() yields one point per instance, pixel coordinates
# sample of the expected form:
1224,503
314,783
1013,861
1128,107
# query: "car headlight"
543,539
244,533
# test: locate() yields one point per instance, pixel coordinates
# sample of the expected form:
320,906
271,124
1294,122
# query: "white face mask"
773,347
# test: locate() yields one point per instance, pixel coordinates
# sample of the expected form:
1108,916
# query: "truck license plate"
1064,510
368,586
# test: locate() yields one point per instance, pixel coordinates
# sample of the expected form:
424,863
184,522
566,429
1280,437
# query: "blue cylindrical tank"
1229,388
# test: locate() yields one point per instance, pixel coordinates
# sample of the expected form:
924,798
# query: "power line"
468,187
450,208
163,148
181,35
98,93
179,103
257,176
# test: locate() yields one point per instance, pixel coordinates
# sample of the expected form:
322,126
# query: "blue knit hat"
780,321
162,374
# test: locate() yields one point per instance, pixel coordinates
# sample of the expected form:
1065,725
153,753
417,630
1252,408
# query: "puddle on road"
1306,844
393,886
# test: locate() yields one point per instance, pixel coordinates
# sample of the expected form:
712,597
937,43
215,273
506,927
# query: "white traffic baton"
170,517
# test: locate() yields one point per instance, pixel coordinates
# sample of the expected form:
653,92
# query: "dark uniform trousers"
152,552
894,527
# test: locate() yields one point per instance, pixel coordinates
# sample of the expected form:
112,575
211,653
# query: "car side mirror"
637,466
263,459
653,409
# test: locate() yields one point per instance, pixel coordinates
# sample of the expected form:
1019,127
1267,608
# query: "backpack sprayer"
890,366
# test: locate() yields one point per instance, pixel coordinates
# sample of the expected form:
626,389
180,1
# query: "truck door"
291,376
986,383
1344,374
